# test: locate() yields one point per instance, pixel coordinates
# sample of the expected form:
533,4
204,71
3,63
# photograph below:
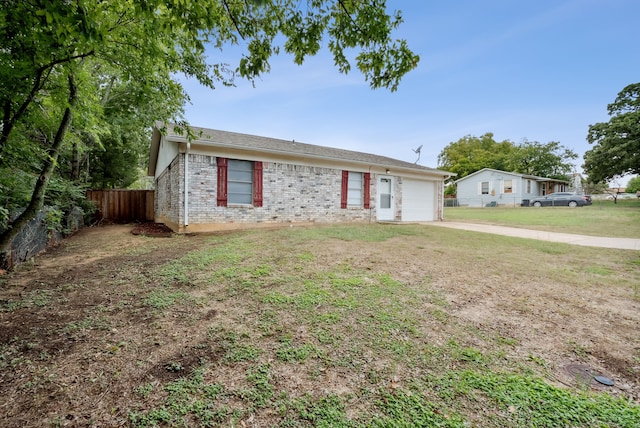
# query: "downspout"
441,198
376,199
186,185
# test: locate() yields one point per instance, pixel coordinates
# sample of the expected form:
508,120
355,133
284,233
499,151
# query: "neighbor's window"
485,188
528,186
508,186
240,182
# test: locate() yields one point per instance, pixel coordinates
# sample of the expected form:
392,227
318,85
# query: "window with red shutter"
257,184
344,189
355,189
222,182
367,190
239,182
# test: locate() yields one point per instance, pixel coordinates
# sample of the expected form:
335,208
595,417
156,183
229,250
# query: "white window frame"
237,178
355,186
512,190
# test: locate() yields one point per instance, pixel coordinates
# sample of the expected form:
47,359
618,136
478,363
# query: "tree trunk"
75,163
37,198
8,119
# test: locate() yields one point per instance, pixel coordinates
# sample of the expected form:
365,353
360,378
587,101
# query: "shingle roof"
517,174
273,145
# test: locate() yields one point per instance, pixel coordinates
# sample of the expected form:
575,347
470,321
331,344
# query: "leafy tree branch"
616,143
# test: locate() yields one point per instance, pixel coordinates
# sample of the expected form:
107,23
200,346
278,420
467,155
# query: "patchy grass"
345,326
603,218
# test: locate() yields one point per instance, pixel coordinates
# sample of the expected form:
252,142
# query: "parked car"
561,199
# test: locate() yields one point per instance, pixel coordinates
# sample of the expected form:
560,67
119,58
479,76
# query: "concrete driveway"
567,238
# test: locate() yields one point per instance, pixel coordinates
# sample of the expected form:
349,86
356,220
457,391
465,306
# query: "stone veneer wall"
291,193
397,201
37,236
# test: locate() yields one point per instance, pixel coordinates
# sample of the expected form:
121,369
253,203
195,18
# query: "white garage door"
418,200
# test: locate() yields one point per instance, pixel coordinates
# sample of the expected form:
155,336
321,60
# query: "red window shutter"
222,182
257,184
344,189
366,191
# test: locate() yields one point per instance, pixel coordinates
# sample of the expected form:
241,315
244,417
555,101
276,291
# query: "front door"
385,198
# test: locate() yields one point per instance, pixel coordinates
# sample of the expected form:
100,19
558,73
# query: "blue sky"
539,70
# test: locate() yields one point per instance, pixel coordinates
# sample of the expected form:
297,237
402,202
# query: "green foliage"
471,154
189,398
408,409
35,298
450,190
551,160
161,299
15,188
327,411
288,352
237,353
529,401
53,218
633,185
616,143
4,218
65,196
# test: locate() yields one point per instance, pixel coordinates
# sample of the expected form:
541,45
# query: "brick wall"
169,202
291,193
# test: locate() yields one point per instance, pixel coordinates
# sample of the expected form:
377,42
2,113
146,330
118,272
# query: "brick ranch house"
226,180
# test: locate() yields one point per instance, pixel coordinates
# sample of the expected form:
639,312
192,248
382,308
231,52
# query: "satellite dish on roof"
418,152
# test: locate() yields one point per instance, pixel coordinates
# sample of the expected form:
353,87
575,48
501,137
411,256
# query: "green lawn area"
603,218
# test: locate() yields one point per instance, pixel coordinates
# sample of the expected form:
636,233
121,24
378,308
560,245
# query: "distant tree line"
470,154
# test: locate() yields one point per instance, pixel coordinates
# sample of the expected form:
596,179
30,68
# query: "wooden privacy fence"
123,205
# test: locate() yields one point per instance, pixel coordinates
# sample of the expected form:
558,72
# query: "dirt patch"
93,322
152,229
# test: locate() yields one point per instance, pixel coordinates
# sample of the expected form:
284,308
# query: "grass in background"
603,218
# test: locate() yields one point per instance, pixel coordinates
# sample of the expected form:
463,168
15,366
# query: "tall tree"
616,143
544,160
470,154
110,153
50,49
633,186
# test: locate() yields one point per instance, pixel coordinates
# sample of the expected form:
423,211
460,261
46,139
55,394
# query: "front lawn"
336,326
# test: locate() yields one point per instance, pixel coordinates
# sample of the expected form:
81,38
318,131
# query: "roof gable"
514,174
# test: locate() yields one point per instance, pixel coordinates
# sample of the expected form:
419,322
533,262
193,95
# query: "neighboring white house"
494,187
223,180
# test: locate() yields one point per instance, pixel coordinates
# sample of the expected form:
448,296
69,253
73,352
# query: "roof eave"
424,171
153,152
